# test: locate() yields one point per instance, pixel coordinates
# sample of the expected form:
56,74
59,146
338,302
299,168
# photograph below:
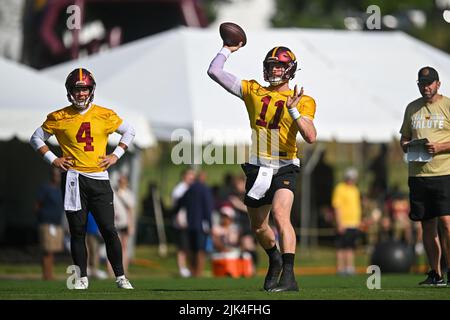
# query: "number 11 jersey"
83,136
274,132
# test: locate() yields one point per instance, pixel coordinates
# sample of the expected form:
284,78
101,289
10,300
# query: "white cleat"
81,283
123,283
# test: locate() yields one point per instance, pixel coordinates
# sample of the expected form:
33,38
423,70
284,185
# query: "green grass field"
328,287
155,278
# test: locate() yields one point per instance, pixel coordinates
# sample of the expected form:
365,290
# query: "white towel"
262,183
72,201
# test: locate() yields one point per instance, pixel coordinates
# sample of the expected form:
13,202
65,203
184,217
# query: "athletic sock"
273,252
288,260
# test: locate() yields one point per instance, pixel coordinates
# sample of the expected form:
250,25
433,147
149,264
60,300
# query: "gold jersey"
346,199
430,121
274,131
83,136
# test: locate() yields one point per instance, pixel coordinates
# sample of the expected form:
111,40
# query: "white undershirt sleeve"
128,133
38,138
228,81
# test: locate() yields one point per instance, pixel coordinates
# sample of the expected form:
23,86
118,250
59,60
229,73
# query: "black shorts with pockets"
285,178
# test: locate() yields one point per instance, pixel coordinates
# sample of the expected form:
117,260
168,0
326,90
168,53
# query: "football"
232,34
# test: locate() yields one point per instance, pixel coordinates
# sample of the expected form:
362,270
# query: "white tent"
361,81
28,96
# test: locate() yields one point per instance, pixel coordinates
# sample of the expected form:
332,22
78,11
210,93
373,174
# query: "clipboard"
417,151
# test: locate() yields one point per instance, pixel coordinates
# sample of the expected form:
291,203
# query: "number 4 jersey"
274,132
83,136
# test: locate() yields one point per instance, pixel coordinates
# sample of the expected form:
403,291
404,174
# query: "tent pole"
135,173
162,240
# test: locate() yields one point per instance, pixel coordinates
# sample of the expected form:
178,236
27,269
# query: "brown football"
232,34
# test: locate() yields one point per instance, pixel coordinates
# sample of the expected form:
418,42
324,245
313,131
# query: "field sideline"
326,287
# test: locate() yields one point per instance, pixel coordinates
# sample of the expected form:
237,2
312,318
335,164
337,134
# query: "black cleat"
287,283
273,273
448,279
433,280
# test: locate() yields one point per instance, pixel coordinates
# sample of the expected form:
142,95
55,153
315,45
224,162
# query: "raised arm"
227,80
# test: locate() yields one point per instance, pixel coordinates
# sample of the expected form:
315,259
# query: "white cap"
227,211
351,174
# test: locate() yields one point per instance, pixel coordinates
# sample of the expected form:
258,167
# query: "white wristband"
118,151
50,157
294,113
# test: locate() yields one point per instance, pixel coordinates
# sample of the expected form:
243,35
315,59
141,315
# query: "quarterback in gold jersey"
276,114
82,131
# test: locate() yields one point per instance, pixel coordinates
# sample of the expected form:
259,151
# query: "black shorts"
96,197
429,197
182,239
285,178
347,240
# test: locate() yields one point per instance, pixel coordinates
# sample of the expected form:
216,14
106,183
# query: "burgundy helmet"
80,78
280,55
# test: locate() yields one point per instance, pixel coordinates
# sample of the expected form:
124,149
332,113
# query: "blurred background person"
230,256
199,204
346,202
397,207
50,210
236,199
180,222
370,223
124,219
225,234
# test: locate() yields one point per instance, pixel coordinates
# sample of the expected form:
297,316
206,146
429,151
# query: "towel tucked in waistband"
72,201
262,183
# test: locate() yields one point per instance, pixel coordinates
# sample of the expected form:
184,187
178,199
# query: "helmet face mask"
78,81
279,57
79,99
275,78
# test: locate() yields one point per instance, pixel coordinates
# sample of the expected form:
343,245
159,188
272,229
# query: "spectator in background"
372,216
180,222
226,188
397,206
378,167
346,202
225,234
199,204
124,207
236,198
50,211
322,179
